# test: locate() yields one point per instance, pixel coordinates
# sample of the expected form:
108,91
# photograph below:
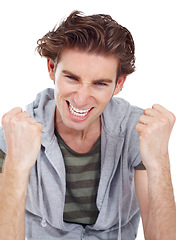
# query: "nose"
82,95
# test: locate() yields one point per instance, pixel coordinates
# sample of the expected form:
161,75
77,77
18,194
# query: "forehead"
82,62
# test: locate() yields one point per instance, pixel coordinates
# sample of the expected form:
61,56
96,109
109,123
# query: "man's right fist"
23,139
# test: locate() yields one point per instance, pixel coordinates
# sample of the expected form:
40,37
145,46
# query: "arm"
23,140
154,130
12,205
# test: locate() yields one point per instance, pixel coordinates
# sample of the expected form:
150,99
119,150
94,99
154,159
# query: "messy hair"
97,33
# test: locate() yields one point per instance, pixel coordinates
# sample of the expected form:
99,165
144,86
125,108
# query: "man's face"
84,84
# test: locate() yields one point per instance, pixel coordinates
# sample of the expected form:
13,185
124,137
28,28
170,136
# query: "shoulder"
41,101
124,108
120,116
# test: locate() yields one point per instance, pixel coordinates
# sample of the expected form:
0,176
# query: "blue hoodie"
116,198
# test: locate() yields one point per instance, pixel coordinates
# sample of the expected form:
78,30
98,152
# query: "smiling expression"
84,84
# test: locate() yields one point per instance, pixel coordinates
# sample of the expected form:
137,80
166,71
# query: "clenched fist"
23,139
154,131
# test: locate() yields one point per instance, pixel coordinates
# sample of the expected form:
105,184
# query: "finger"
23,115
151,112
159,108
34,121
164,112
139,128
7,116
30,120
145,119
40,126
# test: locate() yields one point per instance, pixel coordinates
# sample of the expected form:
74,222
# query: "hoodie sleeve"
135,160
140,167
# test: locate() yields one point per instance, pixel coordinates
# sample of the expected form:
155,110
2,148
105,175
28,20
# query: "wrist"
15,169
160,174
158,164
15,178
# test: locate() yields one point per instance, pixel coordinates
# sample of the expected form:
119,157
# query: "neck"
94,129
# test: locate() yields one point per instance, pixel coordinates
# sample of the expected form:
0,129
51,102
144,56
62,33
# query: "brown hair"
96,33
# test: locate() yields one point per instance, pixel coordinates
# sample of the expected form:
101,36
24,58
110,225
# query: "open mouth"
78,112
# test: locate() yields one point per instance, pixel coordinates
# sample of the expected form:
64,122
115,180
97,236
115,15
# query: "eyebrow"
70,73
94,81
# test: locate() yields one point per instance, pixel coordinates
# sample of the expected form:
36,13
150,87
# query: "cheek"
103,102
58,96
63,89
59,91
105,97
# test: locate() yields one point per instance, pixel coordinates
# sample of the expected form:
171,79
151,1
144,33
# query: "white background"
152,23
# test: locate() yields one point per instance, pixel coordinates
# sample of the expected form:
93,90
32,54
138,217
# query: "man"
73,168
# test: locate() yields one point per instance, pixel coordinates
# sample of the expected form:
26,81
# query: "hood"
43,110
116,107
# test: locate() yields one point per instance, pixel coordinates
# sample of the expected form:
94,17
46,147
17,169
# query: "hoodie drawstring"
43,221
120,199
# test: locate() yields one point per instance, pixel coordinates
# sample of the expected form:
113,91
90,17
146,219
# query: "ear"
119,85
51,68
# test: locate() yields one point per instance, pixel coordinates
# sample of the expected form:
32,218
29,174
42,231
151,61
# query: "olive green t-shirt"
2,157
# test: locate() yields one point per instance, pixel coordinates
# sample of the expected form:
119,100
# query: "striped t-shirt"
82,179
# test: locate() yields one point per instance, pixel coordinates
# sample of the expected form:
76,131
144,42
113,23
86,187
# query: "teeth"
78,112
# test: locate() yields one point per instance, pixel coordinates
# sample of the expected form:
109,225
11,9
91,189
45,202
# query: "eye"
71,77
101,84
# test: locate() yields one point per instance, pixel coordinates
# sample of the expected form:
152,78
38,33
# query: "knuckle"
4,119
17,110
33,131
168,121
150,130
40,127
165,120
14,121
25,114
147,132
17,121
137,127
12,113
36,129
24,124
172,118
155,106
140,118
146,110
